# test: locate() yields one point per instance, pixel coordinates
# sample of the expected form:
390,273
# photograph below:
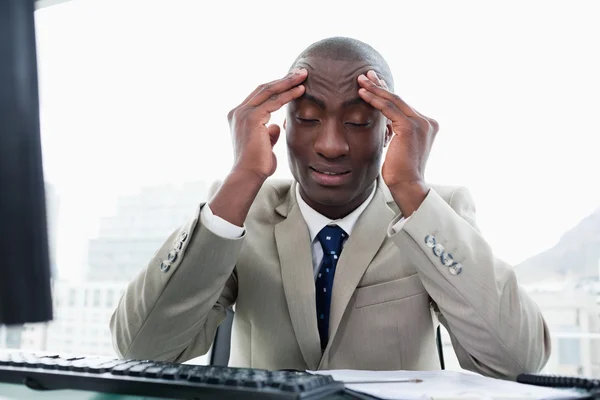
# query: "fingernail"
298,70
373,74
362,77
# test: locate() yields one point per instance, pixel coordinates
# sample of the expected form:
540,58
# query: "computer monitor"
25,294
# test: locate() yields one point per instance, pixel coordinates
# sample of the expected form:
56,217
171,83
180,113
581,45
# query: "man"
348,266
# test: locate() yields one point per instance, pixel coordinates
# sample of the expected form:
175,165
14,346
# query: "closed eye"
307,120
356,124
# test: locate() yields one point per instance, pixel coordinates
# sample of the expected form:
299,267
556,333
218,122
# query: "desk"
22,392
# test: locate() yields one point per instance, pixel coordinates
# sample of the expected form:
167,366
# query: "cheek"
367,149
296,143
298,137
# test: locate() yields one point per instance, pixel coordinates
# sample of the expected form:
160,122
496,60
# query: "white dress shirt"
314,220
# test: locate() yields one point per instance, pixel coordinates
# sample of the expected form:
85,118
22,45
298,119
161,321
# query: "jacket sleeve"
172,309
495,328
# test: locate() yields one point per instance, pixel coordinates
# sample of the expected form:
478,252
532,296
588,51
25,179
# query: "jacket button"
455,268
430,241
438,249
165,266
447,258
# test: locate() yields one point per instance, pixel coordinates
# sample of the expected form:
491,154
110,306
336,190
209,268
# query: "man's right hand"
253,140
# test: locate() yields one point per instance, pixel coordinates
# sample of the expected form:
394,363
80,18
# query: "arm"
495,328
173,314
172,309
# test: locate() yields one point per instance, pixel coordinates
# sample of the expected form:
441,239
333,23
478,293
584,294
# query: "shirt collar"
316,221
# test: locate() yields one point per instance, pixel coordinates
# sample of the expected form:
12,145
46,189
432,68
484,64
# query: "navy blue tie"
331,238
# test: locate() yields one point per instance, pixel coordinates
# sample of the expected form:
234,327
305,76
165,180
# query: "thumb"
273,130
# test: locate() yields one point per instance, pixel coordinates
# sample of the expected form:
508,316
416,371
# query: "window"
569,351
110,294
13,337
134,131
96,297
72,297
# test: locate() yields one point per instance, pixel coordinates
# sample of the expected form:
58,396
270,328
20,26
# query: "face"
335,139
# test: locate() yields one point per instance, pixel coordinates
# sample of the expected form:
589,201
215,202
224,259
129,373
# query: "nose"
331,142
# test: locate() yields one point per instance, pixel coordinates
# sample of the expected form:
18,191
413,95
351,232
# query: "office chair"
222,343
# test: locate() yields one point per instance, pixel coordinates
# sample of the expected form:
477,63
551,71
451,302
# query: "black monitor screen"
24,262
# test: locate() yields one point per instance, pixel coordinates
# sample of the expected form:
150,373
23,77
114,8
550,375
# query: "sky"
136,93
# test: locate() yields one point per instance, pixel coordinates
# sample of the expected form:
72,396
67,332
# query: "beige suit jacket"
389,292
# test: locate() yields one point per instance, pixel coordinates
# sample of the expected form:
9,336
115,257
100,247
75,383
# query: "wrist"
246,176
409,195
234,198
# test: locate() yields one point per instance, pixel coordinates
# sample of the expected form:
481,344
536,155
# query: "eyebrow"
321,104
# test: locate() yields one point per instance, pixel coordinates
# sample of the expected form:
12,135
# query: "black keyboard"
161,379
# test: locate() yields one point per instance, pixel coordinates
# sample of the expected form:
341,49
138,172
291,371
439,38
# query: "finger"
276,101
294,78
274,131
381,92
372,75
375,78
260,87
388,108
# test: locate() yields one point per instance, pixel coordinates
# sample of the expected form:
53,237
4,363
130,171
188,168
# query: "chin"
328,196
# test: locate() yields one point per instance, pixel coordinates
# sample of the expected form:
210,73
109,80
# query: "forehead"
333,80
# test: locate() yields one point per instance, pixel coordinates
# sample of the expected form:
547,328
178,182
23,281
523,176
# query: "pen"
384,381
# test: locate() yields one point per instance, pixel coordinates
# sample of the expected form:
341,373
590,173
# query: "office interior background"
134,97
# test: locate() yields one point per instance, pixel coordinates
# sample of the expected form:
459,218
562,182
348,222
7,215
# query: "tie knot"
331,238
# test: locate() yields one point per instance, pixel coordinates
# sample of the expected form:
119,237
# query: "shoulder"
273,193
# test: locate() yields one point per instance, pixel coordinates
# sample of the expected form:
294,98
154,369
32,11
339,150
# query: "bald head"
348,49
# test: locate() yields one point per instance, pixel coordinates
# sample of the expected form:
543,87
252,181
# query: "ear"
389,132
284,123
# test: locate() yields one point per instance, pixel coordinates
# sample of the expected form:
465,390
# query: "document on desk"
441,385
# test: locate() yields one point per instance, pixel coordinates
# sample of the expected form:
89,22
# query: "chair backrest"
222,343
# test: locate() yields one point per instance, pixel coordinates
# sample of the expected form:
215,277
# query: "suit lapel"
295,255
367,237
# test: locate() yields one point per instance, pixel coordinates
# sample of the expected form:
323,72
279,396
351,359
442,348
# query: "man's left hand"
413,135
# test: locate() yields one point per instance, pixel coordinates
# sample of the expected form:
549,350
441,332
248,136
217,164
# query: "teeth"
331,173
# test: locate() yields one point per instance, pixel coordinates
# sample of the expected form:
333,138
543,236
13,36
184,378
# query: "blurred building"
81,324
125,243
81,315
573,320
141,224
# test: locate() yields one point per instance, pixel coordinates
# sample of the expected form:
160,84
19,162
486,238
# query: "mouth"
330,176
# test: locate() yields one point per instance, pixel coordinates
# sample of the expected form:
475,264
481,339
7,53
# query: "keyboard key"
290,387
153,372
103,366
185,370
139,369
252,384
169,373
123,368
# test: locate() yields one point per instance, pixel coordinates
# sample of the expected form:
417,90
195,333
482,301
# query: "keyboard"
161,379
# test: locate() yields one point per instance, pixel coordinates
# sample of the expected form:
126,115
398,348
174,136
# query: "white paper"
442,385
